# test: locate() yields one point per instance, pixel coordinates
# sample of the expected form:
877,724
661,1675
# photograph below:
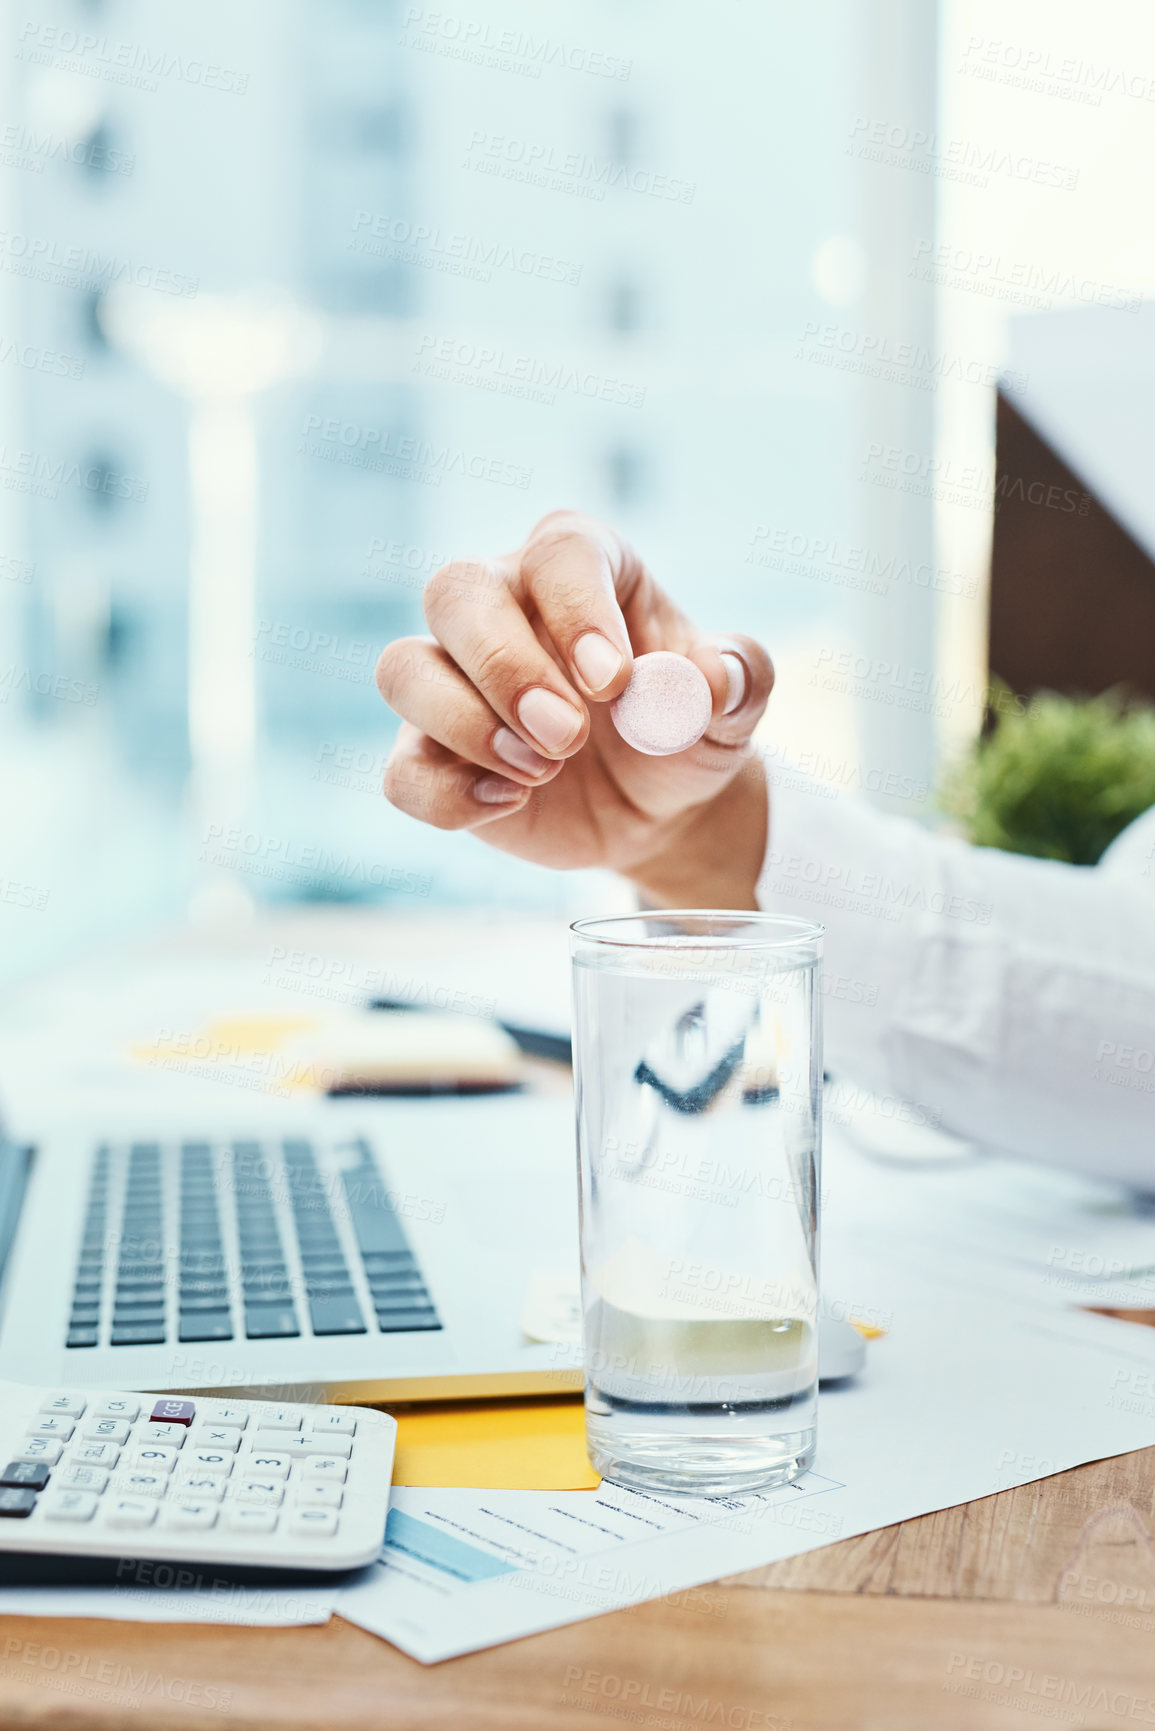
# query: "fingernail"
495,790
736,681
552,721
596,660
517,753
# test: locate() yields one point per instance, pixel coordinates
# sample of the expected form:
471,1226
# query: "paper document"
971,1391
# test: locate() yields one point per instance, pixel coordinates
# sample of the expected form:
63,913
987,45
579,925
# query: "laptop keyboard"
246,1240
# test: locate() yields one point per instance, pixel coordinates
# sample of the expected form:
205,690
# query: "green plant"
1058,777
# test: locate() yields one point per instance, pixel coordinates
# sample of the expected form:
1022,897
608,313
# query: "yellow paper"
507,1446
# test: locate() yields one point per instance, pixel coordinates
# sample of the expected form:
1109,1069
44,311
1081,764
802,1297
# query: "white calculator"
237,1482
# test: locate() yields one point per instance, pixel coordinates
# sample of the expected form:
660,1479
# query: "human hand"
507,730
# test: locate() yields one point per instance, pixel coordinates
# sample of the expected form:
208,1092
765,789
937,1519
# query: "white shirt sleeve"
1012,1000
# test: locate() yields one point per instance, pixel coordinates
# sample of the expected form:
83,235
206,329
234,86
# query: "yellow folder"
523,1445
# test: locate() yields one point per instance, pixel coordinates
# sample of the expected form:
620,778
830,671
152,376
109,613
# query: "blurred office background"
300,298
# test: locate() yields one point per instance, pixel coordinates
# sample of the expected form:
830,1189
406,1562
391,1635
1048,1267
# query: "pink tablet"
666,706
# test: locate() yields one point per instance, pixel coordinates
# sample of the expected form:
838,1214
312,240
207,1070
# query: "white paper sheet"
971,1392
206,1598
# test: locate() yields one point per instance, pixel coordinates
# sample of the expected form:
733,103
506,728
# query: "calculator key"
72,1405
325,1467
130,1512
264,1490
62,1428
328,1423
119,1406
240,1517
217,1437
278,1418
25,1475
173,1411
15,1505
154,1457
172,1434
111,1430
69,1506
39,1448
231,1415
318,1493
313,1523
95,1454
199,1487
270,1466
86,1336
304,1445
81,1478
142,1484
210,1461
189,1517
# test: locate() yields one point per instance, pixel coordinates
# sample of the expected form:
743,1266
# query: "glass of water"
698,1082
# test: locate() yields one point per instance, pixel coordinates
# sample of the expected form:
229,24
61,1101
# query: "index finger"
579,576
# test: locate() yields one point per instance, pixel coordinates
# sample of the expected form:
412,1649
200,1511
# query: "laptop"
359,1251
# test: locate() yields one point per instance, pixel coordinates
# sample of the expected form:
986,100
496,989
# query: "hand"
507,728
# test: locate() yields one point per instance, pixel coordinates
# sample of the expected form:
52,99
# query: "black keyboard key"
27,1475
406,1321
271,1322
85,1312
194,1287
139,1334
191,1302
205,1325
86,1336
148,1304
388,1260
401,1301
17,1504
336,1316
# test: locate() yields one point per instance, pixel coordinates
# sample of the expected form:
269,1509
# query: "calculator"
231,1482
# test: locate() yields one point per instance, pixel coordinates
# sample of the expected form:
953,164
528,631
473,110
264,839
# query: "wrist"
712,856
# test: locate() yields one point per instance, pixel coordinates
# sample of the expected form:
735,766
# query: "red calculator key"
174,1412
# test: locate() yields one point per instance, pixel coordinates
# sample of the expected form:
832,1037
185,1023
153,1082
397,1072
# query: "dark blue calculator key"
25,1475
85,1336
16,1504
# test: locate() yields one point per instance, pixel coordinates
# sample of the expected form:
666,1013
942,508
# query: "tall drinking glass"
698,1080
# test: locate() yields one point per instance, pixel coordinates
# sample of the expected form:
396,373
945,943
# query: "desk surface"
1040,1600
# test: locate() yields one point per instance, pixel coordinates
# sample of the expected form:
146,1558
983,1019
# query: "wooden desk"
1037,1604
1048,1589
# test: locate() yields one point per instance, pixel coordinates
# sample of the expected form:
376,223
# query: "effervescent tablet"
666,706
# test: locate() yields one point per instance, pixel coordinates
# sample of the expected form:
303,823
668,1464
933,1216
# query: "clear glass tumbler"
698,1082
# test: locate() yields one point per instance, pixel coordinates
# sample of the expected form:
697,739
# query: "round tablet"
666,706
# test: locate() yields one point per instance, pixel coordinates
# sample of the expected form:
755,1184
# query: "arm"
1013,999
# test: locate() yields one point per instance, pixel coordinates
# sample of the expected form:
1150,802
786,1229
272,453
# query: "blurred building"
555,261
